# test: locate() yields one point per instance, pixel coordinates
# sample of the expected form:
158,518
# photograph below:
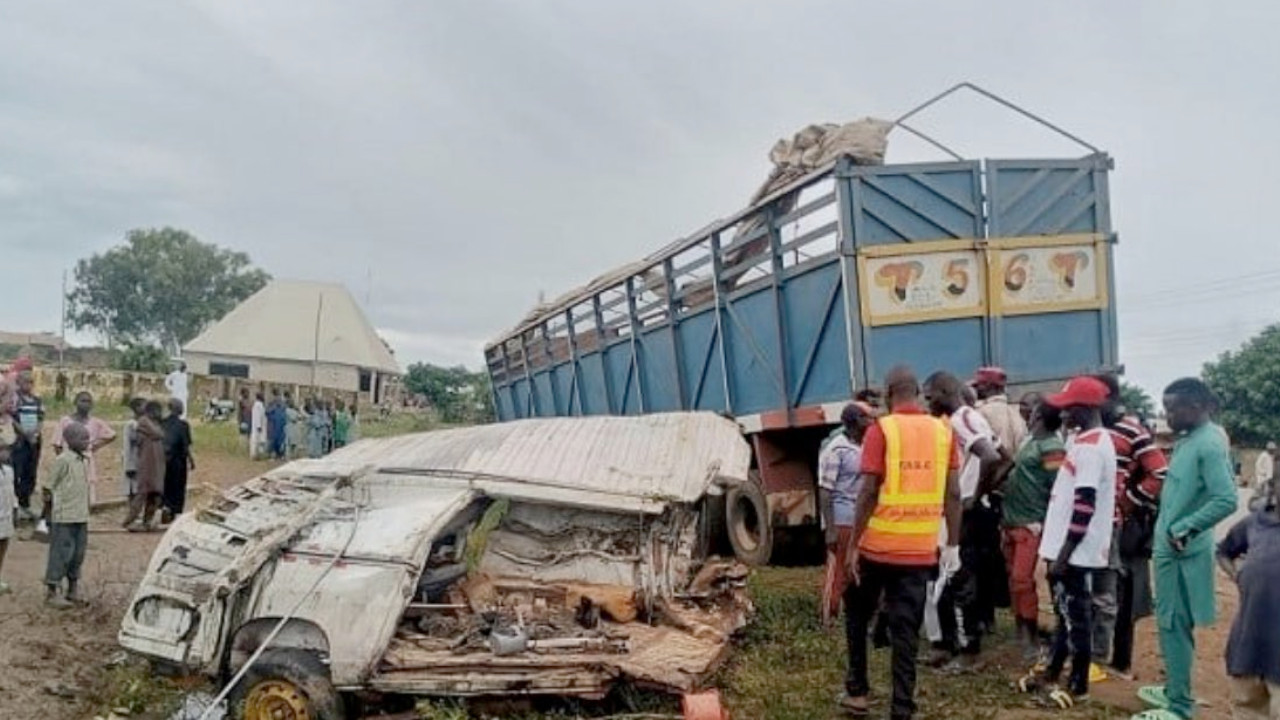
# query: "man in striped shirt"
1122,593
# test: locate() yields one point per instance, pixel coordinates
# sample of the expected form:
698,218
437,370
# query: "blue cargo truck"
851,270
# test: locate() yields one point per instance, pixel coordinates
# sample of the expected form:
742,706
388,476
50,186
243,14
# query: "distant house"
37,345
297,334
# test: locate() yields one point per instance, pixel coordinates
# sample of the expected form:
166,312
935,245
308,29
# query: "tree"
1136,400
1247,382
141,358
160,287
459,395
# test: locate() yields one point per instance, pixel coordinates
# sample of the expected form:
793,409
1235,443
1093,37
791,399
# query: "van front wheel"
750,527
286,685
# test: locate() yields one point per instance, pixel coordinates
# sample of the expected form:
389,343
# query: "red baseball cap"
1083,391
990,374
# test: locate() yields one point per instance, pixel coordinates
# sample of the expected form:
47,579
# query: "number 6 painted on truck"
1015,273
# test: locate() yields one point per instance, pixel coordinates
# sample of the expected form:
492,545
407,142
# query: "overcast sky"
449,160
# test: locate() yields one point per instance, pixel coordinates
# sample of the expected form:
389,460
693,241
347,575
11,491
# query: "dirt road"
54,660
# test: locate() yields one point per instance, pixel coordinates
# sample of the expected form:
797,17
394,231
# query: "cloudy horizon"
449,162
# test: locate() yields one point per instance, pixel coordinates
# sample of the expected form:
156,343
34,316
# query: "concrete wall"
114,386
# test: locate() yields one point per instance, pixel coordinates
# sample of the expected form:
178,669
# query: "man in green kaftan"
1198,494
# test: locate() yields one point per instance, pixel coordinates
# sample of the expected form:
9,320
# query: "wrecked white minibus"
550,556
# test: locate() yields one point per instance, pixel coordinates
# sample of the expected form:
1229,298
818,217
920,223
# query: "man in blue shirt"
839,467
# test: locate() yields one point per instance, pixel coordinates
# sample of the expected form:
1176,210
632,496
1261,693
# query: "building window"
366,381
223,369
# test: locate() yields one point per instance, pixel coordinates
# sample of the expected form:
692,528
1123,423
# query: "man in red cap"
1077,535
1005,420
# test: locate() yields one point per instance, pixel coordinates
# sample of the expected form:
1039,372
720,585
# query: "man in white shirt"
1264,469
962,606
1006,420
176,383
1077,535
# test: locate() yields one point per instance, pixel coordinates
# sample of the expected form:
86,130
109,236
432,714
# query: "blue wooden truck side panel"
792,333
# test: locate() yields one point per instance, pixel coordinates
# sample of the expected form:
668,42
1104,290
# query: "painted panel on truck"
818,345
702,370
565,389
925,201
751,333
658,371
1029,198
594,392
952,345
621,377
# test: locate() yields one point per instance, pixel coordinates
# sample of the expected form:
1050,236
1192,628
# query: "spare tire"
289,684
749,524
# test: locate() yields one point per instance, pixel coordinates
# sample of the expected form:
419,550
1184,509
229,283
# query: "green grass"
218,438
401,423
788,667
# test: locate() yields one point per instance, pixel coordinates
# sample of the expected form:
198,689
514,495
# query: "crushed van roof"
619,463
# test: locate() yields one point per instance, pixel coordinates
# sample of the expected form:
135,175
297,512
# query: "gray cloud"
469,155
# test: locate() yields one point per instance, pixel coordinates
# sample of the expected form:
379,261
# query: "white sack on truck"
816,146
863,141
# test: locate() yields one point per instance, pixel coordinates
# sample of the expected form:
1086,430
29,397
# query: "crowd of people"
156,457
938,512
279,429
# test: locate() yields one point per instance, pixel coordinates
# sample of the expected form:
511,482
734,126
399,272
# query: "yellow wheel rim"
276,700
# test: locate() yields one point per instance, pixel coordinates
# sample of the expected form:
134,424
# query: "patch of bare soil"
1209,681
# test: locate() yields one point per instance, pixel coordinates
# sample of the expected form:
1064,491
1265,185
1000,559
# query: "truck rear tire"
286,684
750,527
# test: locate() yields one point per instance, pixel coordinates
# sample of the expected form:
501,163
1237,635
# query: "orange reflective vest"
907,521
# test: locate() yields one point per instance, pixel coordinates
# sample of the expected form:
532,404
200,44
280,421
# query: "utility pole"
62,343
315,360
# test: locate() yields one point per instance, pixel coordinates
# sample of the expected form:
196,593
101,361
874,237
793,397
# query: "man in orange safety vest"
910,484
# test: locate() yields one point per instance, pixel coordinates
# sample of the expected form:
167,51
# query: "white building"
303,334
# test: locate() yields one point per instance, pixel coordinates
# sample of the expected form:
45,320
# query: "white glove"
949,560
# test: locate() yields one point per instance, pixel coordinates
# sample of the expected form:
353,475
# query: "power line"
1233,281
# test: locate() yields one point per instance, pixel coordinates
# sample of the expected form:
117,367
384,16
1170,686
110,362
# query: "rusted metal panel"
787,480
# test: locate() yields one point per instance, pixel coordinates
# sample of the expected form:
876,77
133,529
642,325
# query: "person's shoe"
938,657
42,527
1062,699
25,515
962,664
858,706
4,588
1097,674
1115,672
57,602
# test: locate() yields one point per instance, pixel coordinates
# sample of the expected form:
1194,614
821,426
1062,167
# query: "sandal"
854,706
1059,699
1154,696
